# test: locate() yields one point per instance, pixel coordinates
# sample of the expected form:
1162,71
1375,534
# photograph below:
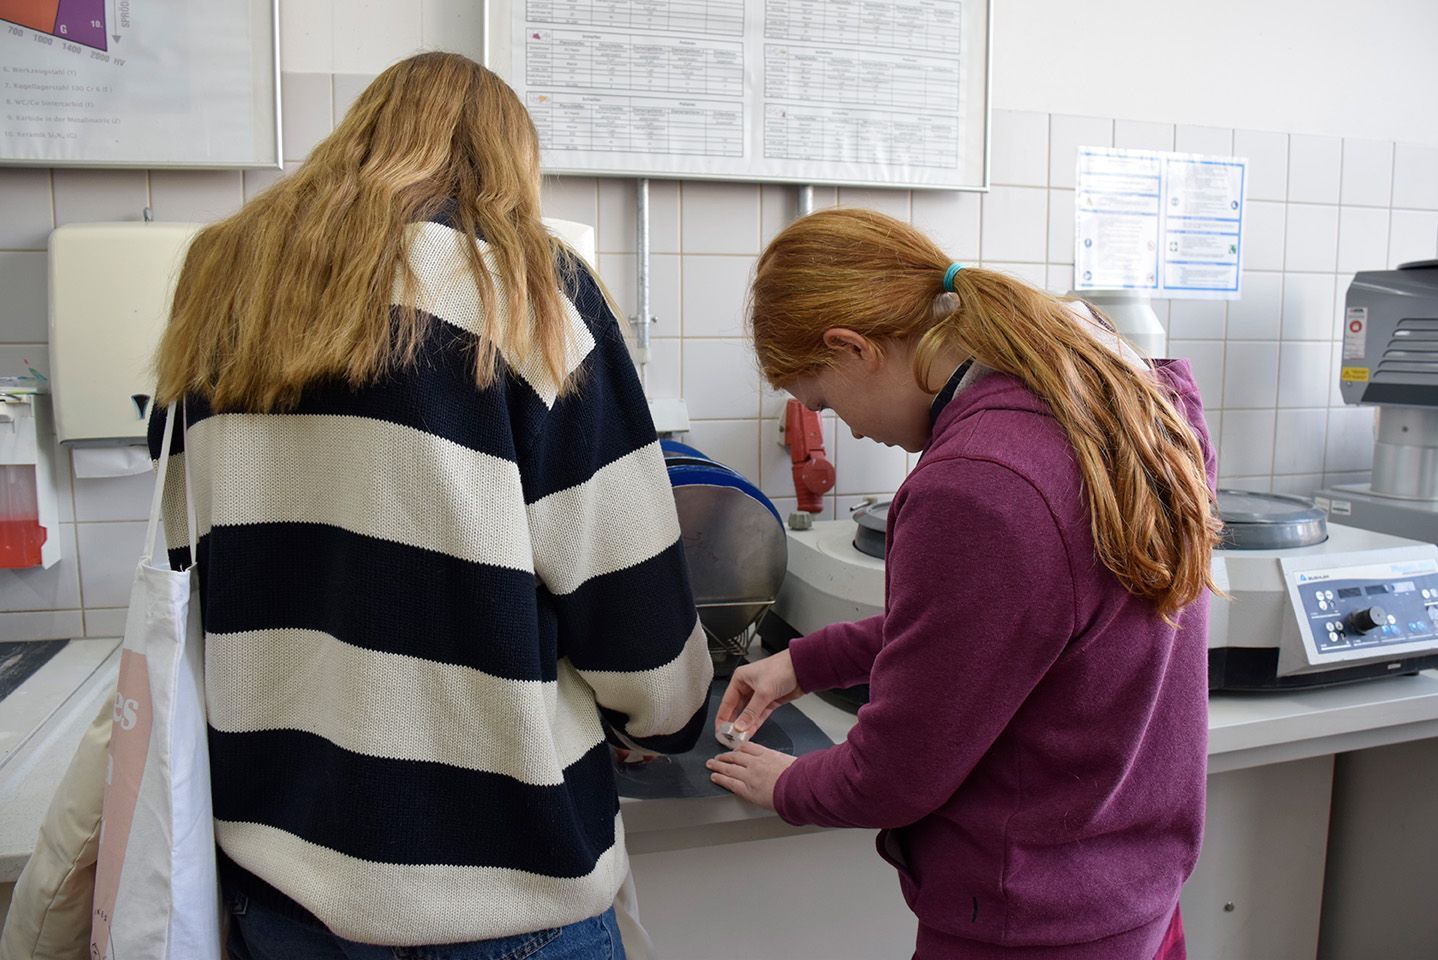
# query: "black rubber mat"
685,775
18,660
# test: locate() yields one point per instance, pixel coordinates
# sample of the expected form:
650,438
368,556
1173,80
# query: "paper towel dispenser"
110,290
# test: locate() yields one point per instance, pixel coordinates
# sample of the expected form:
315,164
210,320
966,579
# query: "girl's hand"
755,691
750,772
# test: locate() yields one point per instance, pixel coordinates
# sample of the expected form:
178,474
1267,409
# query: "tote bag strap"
157,500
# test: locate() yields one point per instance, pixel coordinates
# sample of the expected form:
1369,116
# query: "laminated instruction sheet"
851,91
153,83
1168,223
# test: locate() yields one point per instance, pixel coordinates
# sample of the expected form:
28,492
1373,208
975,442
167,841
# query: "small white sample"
730,737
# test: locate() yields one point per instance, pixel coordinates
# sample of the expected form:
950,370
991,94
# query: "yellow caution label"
1355,375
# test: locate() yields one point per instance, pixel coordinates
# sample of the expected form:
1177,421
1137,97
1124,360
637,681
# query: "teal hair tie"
949,276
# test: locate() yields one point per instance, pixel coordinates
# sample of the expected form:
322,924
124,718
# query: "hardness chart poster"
880,92
153,83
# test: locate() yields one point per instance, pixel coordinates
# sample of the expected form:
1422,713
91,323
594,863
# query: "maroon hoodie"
1035,743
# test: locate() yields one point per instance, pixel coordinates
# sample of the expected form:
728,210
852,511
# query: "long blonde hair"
1142,465
297,286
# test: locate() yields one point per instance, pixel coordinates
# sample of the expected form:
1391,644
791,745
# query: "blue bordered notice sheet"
1168,223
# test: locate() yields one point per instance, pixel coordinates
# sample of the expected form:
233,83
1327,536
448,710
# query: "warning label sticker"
1355,334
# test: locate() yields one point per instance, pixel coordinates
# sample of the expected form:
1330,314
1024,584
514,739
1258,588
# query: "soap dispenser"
28,507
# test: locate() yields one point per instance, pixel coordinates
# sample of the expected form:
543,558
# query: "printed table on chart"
613,61
923,25
853,76
863,136
713,17
655,125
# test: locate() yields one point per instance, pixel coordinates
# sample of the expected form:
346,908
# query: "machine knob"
1369,618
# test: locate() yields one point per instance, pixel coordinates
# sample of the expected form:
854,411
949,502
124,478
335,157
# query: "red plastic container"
21,535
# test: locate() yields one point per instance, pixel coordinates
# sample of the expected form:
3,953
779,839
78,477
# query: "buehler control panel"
1361,608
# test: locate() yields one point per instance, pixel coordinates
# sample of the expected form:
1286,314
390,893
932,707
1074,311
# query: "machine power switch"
1369,618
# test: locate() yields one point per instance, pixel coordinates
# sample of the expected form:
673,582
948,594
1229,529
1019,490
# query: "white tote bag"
156,892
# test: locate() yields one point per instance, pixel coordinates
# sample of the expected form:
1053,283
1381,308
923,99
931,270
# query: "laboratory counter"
805,892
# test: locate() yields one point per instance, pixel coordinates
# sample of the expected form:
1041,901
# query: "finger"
736,787
733,759
734,697
747,750
754,713
769,712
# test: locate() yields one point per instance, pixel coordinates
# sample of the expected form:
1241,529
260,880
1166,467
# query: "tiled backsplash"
1319,209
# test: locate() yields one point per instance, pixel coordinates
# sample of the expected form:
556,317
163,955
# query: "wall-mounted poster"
879,93
139,83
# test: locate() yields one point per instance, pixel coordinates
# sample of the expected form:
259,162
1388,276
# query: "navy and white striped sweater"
414,596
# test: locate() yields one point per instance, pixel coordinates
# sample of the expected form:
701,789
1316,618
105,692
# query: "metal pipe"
806,199
643,317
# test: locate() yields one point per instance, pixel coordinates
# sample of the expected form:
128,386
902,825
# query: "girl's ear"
855,345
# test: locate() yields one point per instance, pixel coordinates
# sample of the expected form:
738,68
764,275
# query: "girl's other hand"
750,772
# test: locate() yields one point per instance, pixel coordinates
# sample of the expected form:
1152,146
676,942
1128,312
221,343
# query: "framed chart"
867,92
148,83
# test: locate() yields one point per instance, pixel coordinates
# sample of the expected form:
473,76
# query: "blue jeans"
259,933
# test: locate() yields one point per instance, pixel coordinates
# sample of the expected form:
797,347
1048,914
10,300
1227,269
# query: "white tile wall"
1350,439
1247,445
1303,374
1061,226
714,289
374,32
1143,135
24,296
1308,306
1207,359
617,272
868,466
1367,173
721,218
1213,141
1362,238
1299,441
721,380
1257,315
1415,177
616,216
1020,148
1267,155
1015,224
1197,319
1312,234
951,219
664,377
1250,374
1320,209
895,203
1066,135
196,196
88,196
1412,235
306,111
734,443
1314,168
29,215
1263,246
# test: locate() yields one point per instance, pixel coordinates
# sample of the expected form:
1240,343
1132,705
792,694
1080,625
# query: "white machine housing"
1279,598
1273,597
